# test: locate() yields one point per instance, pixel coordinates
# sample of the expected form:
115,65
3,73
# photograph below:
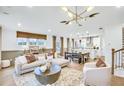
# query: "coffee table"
48,77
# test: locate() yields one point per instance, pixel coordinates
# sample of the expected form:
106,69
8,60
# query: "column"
54,46
68,44
72,43
80,43
62,46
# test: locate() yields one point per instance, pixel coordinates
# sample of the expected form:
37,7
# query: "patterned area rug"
68,77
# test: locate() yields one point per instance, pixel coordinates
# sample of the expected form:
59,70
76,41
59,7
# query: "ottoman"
5,63
60,61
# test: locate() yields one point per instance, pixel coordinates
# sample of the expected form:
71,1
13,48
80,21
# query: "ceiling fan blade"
67,22
63,21
92,15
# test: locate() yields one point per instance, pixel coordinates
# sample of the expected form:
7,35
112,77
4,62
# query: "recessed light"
19,24
49,30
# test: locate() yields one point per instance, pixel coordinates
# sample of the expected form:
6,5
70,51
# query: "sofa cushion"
30,58
21,59
100,63
33,64
41,58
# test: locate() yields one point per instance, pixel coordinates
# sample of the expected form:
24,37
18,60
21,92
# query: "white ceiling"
40,19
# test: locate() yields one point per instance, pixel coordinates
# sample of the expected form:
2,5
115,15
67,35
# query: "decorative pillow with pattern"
30,58
100,63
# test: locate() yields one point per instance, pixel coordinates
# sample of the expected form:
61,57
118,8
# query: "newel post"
113,50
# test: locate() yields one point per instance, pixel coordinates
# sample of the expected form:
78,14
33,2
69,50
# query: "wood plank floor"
6,76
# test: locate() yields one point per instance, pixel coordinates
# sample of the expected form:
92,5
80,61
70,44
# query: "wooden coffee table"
48,77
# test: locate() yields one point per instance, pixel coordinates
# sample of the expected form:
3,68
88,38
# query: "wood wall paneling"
30,35
15,53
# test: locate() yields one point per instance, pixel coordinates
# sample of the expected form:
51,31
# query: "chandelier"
76,16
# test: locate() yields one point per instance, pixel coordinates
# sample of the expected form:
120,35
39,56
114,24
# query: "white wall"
9,39
113,39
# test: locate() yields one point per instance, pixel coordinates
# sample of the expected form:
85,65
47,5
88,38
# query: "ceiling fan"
78,17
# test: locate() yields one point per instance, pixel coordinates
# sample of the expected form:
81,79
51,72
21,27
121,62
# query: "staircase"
118,59
118,62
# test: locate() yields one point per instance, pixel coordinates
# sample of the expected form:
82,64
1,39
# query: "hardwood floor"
76,66
117,81
6,76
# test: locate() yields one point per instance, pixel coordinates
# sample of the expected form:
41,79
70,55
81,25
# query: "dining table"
82,56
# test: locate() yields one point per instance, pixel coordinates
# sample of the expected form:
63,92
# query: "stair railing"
117,59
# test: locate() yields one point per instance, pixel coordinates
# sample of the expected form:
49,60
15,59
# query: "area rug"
68,77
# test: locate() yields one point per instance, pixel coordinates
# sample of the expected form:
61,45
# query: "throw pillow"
30,58
22,59
100,63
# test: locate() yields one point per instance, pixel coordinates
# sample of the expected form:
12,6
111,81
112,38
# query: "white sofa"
21,65
96,76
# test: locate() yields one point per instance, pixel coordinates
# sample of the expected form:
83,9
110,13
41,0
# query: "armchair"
96,76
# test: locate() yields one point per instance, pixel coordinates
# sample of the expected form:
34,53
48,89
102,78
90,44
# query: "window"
31,42
22,41
41,42
31,39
